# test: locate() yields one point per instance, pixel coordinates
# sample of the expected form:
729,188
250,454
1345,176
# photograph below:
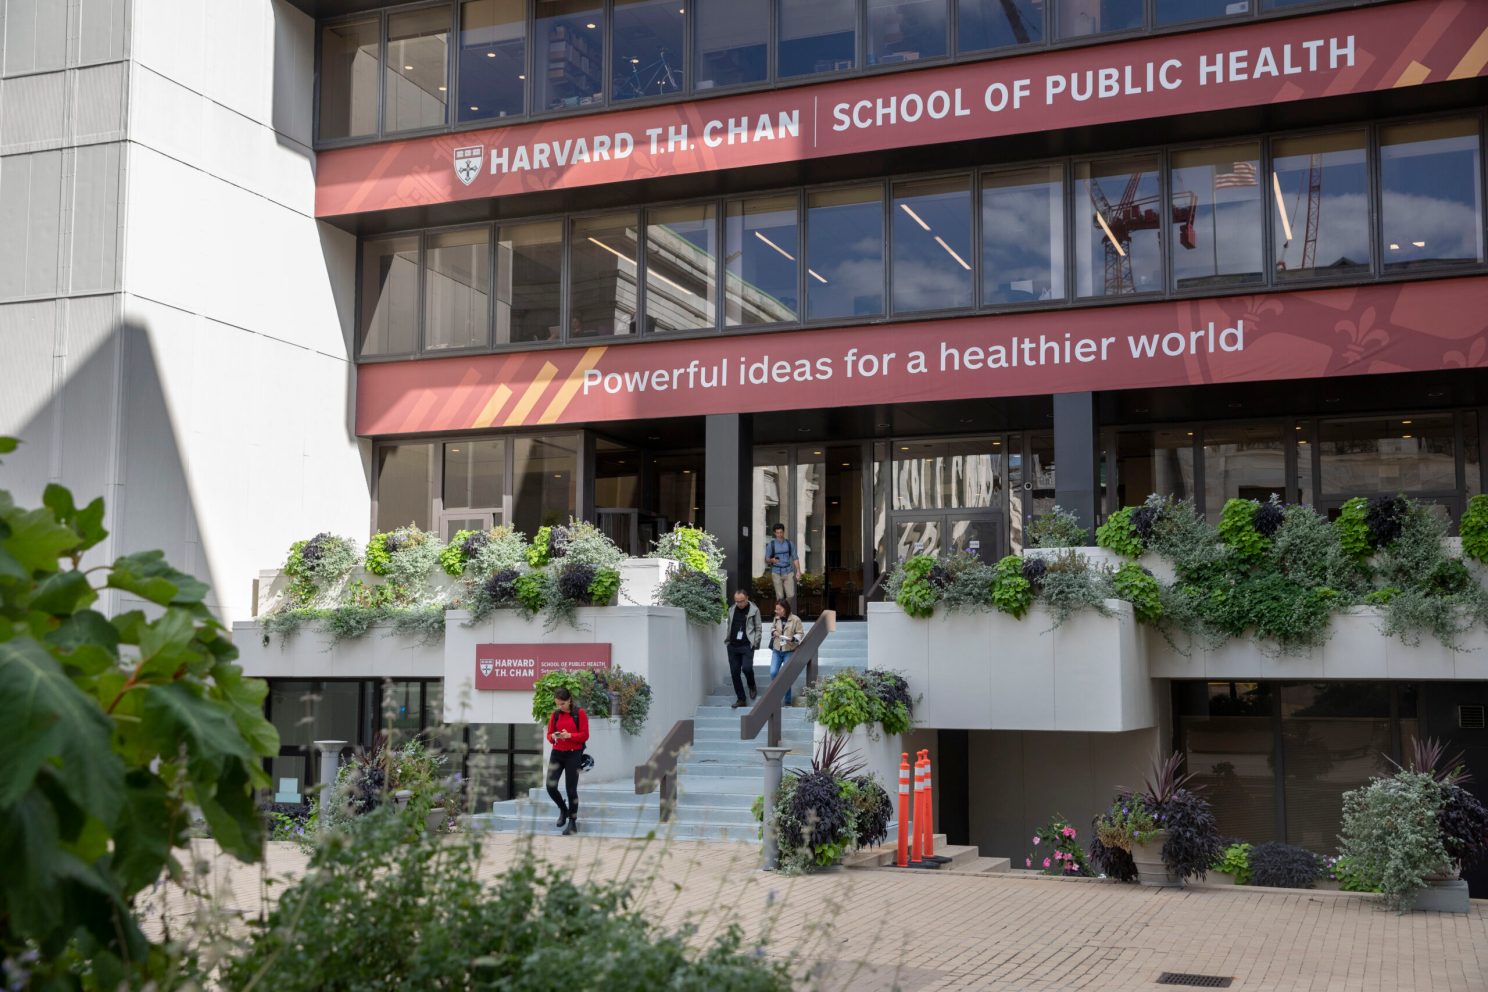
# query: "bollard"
330,759
916,853
774,771
903,859
929,809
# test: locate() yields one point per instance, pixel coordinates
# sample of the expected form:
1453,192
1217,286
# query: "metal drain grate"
1199,981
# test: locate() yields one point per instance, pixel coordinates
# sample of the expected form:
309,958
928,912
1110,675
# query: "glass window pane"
961,473
1023,235
403,486
390,296
986,24
1118,227
1181,11
569,44
679,488
602,276
809,506
844,252
543,475
1079,18
529,265
417,73
648,49
348,79
1321,190
1242,462
1150,462
905,31
1228,739
474,474
1472,456
493,59
681,267
1306,491
292,705
1400,454
1216,236
762,247
932,244
817,36
732,39
401,708
1431,203
457,289
1335,736
335,709
771,499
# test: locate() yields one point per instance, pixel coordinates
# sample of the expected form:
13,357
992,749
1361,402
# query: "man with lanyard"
784,564
742,640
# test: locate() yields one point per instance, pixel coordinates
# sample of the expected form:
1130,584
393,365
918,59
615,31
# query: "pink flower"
1046,862
1068,831
1035,840
1027,862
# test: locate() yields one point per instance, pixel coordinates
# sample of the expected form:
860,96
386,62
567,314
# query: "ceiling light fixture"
443,88
952,252
788,255
914,216
474,108
590,25
1405,436
1405,421
817,276
1394,247
1109,236
408,68
1286,224
490,55
1419,244
521,75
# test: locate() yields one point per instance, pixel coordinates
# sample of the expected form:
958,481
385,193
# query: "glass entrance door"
827,501
919,532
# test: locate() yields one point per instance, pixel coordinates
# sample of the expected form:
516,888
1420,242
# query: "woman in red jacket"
568,729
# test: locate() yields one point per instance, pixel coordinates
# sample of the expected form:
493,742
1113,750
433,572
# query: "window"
963,473
474,474
349,67
681,261
569,44
529,262
1023,235
1431,208
403,485
602,276
1411,454
906,31
648,47
457,289
1227,733
493,59
982,25
1080,18
932,245
1148,462
732,39
1118,227
1242,462
1321,190
1216,217
817,36
761,248
544,481
416,75
844,252
390,276
1180,11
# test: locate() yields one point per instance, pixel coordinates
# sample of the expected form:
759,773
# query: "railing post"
330,757
668,797
774,771
773,738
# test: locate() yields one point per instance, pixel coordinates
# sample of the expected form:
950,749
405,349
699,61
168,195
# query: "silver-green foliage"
1391,836
582,543
1072,584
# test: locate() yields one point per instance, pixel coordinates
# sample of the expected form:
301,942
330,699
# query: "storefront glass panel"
602,276
648,47
403,486
771,500
732,40
809,504
1335,737
679,489
1118,227
816,36
457,289
1320,194
1473,455
1227,734
529,267
681,268
390,278
845,252
569,44
762,272
1216,217
982,25
1148,462
906,31
493,59
416,80
1379,455
1082,18
350,65
544,473
932,245
1023,236
1242,462
1181,11
1431,194
474,474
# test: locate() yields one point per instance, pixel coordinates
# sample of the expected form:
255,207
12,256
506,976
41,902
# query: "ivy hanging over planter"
874,698
595,692
698,594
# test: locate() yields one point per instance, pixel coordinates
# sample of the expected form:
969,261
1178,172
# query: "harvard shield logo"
468,162
487,666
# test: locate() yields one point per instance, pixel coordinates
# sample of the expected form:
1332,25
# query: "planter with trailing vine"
1151,870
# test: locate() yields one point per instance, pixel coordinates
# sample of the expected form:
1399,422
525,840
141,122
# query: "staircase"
717,781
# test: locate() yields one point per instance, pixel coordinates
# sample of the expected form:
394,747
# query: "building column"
1075,451
728,483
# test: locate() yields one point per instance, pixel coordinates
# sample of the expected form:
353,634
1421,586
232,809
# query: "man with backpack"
784,563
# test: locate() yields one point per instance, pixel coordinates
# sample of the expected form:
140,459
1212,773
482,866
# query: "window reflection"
1147,462
732,39
1216,217
543,477
771,499
1431,199
569,44
761,251
982,25
1242,462
1023,236
493,59
1320,188
1079,18
1367,456
403,495
349,68
1179,11
1118,227
932,244
905,31
390,296
965,473
602,276
457,289
647,42
474,474
844,252
416,80
816,36
529,259
681,284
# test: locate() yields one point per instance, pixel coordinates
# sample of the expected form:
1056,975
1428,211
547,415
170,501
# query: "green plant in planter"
1234,860
605,585
1285,866
1012,593
1071,584
1118,534
1474,529
1391,835
1057,850
316,563
698,594
916,595
1237,529
462,549
843,704
1138,587
1353,528
532,593
539,553
695,548
632,697
1126,823
1057,529
580,684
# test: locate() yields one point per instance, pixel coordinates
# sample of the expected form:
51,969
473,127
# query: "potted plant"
1168,829
823,813
1284,866
1233,865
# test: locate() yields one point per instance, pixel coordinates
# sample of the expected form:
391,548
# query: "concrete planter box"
879,753
1106,558
311,654
989,671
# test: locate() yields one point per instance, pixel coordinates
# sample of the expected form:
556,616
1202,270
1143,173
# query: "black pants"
741,660
565,763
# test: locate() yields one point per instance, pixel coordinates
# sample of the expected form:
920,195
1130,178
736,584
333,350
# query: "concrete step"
982,866
964,858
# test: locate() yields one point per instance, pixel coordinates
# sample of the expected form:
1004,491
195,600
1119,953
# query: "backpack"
586,760
789,556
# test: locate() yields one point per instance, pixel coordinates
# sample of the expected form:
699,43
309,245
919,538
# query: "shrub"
532,593
313,565
1238,530
843,704
1283,866
1119,535
698,594
1056,850
1072,584
461,550
1127,822
1059,528
1463,825
632,697
1012,589
964,582
504,550
872,811
1182,536
1384,517
873,698
580,684
605,585
406,557
579,542
914,592
1192,844
1474,529
1112,862
1391,835
1193,834
1138,587
1269,517
693,547
1234,860
540,552
1343,871
817,811
1353,528
1307,550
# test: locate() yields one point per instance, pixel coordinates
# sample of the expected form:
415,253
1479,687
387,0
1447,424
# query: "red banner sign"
1391,327
1277,61
517,667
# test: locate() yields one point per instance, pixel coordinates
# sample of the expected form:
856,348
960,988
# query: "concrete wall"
175,326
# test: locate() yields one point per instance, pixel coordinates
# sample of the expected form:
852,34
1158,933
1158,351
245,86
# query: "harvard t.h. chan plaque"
517,667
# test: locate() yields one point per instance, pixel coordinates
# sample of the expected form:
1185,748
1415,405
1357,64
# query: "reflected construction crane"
1314,189
1129,215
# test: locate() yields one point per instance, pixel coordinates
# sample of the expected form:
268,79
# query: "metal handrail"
767,708
870,592
660,770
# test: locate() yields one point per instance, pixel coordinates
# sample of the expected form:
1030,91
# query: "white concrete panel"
169,36
31,116
249,154
30,203
96,225
165,115
99,28
100,97
35,33
238,46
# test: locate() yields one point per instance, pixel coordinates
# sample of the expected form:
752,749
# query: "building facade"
902,275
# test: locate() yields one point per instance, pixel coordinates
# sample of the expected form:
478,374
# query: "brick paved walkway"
880,930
